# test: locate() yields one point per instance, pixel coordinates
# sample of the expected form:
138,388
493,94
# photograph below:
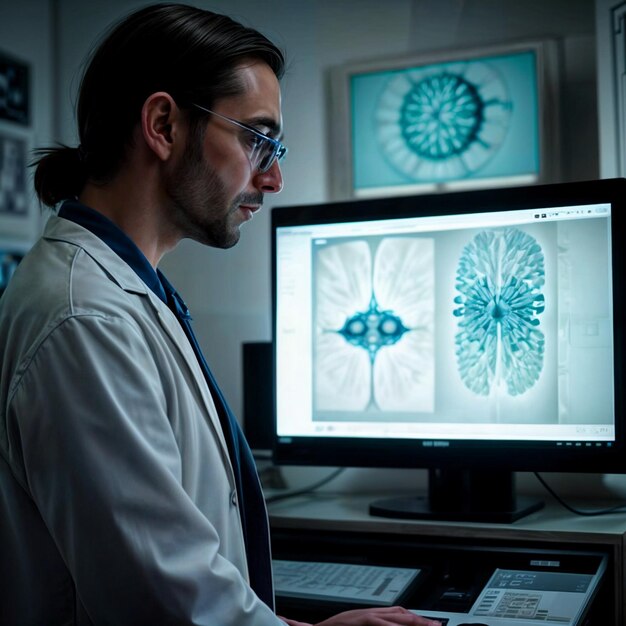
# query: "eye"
253,140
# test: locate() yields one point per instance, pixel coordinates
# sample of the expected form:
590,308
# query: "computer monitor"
474,334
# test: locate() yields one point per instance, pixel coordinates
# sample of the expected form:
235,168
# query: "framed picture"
13,163
14,90
19,218
464,119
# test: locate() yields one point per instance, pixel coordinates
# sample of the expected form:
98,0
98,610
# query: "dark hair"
187,52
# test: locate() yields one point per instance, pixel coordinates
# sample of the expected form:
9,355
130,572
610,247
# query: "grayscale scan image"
373,338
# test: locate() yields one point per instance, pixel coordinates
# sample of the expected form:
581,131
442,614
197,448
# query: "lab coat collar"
119,271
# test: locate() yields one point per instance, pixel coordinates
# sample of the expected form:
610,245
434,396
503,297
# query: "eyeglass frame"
279,150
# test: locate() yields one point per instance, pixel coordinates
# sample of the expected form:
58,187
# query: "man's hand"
387,616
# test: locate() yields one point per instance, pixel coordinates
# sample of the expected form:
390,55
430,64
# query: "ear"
161,121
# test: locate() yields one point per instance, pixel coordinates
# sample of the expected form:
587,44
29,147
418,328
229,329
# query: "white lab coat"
117,496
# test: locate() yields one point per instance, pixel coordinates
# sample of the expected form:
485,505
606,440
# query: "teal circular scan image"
444,123
441,116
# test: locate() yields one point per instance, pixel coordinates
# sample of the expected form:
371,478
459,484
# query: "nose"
270,181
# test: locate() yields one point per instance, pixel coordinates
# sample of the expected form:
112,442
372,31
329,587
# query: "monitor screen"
446,121
468,330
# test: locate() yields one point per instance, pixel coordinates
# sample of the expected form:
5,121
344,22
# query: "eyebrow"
275,130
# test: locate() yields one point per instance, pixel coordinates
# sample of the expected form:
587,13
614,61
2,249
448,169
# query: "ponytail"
60,173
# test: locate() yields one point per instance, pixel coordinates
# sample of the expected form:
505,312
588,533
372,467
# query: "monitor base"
418,507
463,495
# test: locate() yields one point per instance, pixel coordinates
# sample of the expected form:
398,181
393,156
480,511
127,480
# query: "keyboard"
341,582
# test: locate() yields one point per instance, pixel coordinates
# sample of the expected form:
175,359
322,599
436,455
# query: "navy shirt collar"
120,243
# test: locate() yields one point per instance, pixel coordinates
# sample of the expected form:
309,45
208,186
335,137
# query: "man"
127,492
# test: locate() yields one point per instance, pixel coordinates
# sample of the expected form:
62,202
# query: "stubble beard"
199,203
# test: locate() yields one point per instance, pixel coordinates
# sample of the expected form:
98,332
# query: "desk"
326,526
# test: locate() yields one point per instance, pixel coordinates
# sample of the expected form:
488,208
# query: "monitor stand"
462,495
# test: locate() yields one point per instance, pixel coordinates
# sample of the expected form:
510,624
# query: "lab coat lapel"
119,271
172,327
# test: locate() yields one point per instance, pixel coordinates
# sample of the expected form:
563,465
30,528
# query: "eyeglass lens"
264,155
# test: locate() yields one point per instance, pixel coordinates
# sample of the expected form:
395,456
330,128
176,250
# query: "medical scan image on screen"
500,277
446,121
373,318
502,325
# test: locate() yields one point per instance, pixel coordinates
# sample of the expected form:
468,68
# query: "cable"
305,490
620,508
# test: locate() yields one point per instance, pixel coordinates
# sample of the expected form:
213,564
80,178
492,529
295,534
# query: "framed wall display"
465,119
18,215
14,90
19,219
13,162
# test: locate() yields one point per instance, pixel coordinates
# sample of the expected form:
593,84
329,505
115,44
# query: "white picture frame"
19,213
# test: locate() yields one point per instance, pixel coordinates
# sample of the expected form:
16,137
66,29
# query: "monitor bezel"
514,456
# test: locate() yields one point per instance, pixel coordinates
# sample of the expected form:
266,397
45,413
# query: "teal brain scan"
374,325
443,123
441,116
499,344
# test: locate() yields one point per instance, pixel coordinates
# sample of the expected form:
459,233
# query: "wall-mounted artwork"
478,118
13,185
19,218
14,90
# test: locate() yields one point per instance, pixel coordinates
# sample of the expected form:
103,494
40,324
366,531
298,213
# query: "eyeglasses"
264,150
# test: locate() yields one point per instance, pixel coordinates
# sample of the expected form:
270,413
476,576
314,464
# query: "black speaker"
258,383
